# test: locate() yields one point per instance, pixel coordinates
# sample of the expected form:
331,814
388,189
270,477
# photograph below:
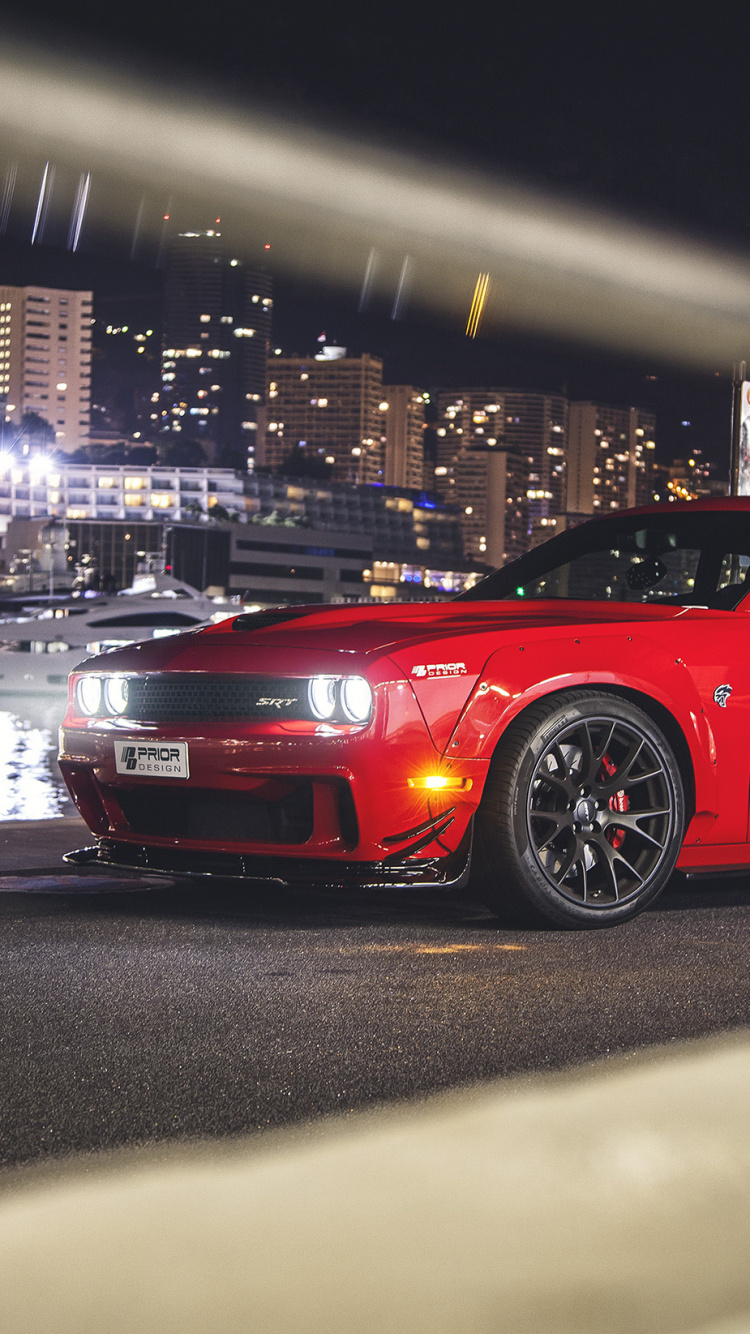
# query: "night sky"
640,109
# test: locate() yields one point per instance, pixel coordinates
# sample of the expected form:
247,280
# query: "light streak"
367,281
9,186
477,304
138,225
48,176
79,210
402,289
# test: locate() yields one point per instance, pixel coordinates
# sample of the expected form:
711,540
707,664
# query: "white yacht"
39,650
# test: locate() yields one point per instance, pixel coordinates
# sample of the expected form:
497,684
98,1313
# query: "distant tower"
45,359
332,407
530,431
610,457
404,436
217,328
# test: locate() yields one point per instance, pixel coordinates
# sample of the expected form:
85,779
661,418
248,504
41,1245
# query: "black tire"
583,814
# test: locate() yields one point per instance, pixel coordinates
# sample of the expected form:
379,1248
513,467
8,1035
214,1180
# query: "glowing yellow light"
477,304
436,782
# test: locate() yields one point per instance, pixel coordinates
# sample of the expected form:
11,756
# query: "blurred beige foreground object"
612,1199
341,208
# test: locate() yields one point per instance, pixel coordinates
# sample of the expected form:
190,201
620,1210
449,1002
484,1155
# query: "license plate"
149,760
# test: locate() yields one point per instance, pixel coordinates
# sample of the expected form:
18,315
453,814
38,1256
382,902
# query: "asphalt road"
134,1014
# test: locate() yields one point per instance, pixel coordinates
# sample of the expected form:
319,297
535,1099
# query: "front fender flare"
515,676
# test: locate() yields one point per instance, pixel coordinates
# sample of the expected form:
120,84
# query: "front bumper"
267,794
401,872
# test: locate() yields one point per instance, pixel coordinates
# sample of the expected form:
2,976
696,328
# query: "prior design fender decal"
431,669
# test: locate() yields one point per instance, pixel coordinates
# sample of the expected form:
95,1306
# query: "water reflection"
31,786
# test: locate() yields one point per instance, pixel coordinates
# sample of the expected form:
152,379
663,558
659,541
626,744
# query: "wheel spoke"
563,786
642,778
558,819
570,856
589,764
606,862
602,749
629,820
584,878
563,778
621,776
612,855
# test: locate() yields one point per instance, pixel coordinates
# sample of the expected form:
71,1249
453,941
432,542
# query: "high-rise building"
610,457
332,407
507,506
217,328
404,436
45,360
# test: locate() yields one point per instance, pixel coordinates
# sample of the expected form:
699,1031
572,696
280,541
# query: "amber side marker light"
435,782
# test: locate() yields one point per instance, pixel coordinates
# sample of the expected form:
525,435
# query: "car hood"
378,629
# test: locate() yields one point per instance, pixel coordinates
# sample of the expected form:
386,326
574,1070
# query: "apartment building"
45,361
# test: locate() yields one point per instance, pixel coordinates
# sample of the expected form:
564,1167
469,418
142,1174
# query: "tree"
218,512
301,462
36,430
186,453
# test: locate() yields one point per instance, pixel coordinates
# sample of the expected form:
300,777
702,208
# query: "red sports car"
565,733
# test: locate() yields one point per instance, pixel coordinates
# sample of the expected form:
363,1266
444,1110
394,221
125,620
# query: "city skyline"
693,409
511,478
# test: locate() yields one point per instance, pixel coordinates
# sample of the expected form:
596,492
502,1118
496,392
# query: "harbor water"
31,785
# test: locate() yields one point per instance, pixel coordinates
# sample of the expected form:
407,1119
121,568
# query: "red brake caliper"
620,801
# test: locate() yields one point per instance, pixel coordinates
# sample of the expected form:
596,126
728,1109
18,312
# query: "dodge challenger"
561,736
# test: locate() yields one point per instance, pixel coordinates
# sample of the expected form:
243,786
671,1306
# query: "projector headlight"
116,693
340,699
356,698
322,695
89,694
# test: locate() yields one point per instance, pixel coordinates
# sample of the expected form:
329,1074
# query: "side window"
733,570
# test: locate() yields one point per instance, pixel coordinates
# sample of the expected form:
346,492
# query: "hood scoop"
261,620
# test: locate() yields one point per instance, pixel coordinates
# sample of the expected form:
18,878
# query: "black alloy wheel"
583,812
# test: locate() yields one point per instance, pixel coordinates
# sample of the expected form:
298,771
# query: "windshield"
698,559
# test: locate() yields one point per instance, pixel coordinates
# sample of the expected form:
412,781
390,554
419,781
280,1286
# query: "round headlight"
89,693
356,698
116,693
322,695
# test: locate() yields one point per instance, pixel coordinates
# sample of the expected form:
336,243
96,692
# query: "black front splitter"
450,872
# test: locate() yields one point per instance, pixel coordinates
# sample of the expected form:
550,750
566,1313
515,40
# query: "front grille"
216,816
178,697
